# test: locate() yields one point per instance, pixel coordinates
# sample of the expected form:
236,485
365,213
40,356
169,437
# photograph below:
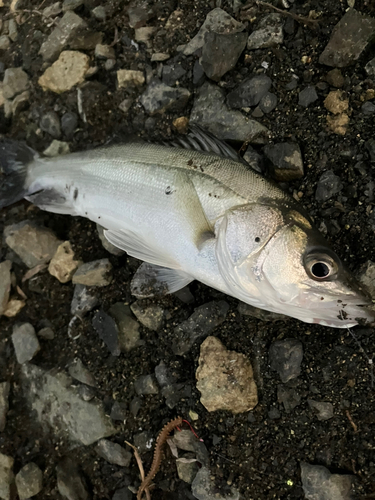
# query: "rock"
286,159
286,358
336,102
150,316
172,74
201,323
339,123
106,328
69,122
6,477
84,301
5,284
69,27
217,21
29,481
144,441
307,96
325,410
159,98
288,396
269,33
79,372
319,484
367,276
143,35
249,92
204,489
124,106
50,123
106,244
12,29
34,245
70,482
104,51
14,307
113,453
335,78
328,185
128,78
225,379
248,310
160,57
63,265
25,342
349,39
99,13
57,148
187,469
60,409
52,10
370,146
268,103
185,440
71,4
221,53
139,13
95,273
2,99
20,102
145,385
4,403
46,333
15,82
181,124
123,494
211,112
370,68
4,42
128,328
69,70
368,108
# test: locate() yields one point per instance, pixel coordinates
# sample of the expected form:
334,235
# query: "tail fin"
15,157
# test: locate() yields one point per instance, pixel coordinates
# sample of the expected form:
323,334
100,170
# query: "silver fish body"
195,214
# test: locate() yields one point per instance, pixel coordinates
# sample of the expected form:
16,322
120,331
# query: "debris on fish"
192,209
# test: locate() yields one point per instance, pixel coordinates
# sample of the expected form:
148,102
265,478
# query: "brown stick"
161,439
296,17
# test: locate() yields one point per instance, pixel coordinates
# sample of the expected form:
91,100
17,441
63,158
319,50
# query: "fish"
192,209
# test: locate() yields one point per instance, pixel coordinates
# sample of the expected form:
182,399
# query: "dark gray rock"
25,342
286,159
86,393
50,123
119,411
201,323
105,326
324,409
198,74
69,122
159,98
370,146
288,396
144,441
274,414
349,39
370,68
78,371
172,74
319,484
46,333
4,403
211,112
145,385
254,159
268,102
70,482
203,488
128,327
307,96
269,33
113,453
123,494
29,481
249,92
286,358
221,52
368,108
151,316
5,284
84,300
328,185
95,273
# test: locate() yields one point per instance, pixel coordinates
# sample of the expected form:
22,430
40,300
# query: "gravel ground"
84,366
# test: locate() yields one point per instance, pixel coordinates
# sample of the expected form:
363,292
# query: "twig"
296,17
352,423
140,467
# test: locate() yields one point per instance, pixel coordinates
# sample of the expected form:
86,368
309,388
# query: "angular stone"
286,160
15,82
57,148
113,453
172,74
71,4
99,13
336,102
185,440
269,33
50,123
307,96
84,300
349,39
225,379
128,78
370,68
4,42
58,406
14,307
6,478
106,328
249,92
150,316
319,484
34,245
328,185
95,273
78,371
46,333
20,102
289,397
128,327
69,122
69,70
52,10
286,358
104,51
203,488
5,284
25,342
145,385
187,469
29,481
367,276
338,123
4,403
335,78
268,102
211,112
324,409
159,98
70,482
63,265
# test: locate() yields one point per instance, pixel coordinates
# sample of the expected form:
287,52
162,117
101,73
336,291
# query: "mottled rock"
69,122
69,70
128,327
70,482
151,316
60,409
50,123
307,96
338,123
159,98
95,273
225,379
269,33
105,326
15,82
286,358
221,52
203,488
286,159
84,300
335,78
5,284
29,481
4,403
63,264
128,78
249,92
268,103
57,148
145,385
144,441
336,102
200,324
324,410
113,453
328,185
34,245
78,371
211,112
349,39
6,477
319,484
187,469
25,342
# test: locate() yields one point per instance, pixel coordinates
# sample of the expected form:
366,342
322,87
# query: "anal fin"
150,280
52,201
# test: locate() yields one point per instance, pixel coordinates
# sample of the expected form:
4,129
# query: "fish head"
276,260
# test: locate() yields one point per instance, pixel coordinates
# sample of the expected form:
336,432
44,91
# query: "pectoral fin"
152,280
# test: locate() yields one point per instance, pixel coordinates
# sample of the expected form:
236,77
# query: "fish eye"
320,267
320,270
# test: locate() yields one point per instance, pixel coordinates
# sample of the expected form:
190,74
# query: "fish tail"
15,158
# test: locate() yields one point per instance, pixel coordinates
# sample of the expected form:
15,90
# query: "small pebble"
25,342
